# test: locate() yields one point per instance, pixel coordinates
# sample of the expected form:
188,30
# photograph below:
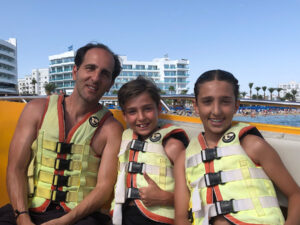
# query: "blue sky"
257,40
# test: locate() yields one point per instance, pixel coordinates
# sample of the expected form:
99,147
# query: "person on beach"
145,184
225,175
54,173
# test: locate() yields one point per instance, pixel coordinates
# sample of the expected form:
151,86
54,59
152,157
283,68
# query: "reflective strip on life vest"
215,209
221,152
149,169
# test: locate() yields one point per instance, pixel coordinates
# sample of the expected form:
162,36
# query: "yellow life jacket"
63,170
225,181
137,157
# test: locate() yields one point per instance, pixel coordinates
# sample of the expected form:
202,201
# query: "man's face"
94,76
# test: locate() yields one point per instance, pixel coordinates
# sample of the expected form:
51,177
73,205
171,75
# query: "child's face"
216,105
141,114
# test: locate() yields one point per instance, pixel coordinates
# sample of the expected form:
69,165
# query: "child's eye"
131,112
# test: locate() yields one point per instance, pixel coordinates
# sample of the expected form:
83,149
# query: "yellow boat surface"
285,139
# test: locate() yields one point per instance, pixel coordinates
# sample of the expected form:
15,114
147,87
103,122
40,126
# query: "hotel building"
169,75
288,87
8,67
27,86
60,71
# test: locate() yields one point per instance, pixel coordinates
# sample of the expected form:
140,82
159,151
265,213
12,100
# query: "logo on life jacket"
155,137
94,121
228,137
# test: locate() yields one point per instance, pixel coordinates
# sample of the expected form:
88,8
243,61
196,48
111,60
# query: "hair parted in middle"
136,87
219,75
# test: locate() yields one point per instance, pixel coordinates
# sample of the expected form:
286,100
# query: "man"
57,147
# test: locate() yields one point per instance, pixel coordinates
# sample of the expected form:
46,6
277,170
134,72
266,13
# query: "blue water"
287,120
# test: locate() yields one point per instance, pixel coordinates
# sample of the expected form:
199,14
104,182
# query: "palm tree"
271,90
288,96
294,92
49,88
278,92
171,89
243,94
264,88
183,92
257,89
33,82
250,86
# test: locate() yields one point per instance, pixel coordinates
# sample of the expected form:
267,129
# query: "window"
150,67
181,66
140,67
126,67
170,73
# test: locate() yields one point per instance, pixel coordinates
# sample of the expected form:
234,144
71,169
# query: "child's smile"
141,114
216,106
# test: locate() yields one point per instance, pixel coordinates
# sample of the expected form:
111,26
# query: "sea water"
287,120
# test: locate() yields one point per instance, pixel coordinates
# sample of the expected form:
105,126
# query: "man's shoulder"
38,105
112,123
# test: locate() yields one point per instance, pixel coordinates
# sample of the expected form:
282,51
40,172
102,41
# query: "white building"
287,88
163,71
60,71
26,86
8,67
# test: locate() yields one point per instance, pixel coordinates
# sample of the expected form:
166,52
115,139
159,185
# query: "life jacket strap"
62,147
232,206
57,195
137,146
135,167
68,164
207,155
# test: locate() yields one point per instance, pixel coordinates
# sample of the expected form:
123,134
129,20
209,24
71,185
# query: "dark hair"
220,75
83,50
136,87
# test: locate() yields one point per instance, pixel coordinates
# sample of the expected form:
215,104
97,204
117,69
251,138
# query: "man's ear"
74,72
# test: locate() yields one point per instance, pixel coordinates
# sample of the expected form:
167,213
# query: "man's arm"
19,156
153,195
109,139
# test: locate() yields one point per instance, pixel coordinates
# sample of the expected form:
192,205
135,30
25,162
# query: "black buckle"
190,216
135,167
224,207
133,193
63,148
59,180
137,145
59,196
213,179
209,154
62,164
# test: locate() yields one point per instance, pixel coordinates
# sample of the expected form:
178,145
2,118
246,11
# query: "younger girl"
225,176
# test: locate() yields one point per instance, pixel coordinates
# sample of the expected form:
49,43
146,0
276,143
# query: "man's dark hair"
83,50
136,87
220,75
